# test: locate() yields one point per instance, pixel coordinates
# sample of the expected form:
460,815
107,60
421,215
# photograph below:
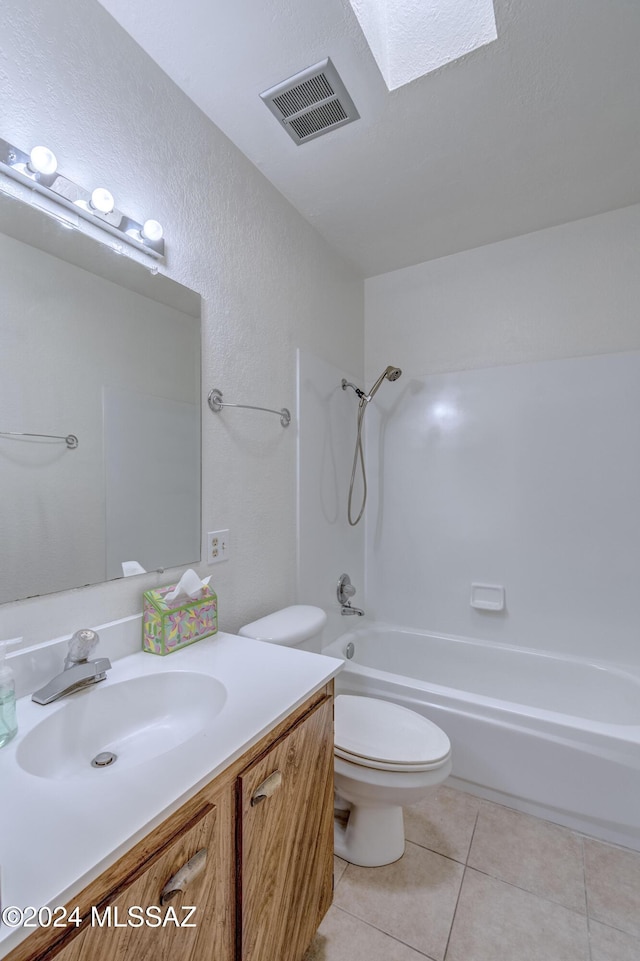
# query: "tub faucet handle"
344,593
345,590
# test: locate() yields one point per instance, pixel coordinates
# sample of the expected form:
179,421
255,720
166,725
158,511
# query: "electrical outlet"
217,546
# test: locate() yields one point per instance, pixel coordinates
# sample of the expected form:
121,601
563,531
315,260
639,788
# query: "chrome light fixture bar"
38,170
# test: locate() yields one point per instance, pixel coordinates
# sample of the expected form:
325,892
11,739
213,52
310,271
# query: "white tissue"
190,585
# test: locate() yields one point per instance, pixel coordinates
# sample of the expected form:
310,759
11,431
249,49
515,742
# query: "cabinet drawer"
133,923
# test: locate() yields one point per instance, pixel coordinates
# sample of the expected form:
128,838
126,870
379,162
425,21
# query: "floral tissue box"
169,625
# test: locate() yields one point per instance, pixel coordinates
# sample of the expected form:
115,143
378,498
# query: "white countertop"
57,835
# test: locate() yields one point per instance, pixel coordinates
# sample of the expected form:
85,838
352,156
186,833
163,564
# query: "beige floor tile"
536,855
609,944
412,900
613,885
497,922
342,937
339,867
443,822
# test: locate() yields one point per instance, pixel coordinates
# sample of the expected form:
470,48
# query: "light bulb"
152,230
43,161
102,200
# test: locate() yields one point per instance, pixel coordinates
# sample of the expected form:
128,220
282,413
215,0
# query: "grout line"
473,834
534,894
447,857
614,927
453,917
549,820
464,874
374,927
496,877
336,882
586,897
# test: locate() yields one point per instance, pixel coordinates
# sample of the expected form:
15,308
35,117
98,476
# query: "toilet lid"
367,728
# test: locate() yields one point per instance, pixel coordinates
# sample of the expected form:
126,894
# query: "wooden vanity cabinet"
261,890
115,930
285,841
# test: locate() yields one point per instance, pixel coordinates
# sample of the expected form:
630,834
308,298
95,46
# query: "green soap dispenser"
8,719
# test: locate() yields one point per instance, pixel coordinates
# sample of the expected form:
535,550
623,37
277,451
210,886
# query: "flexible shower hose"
358,454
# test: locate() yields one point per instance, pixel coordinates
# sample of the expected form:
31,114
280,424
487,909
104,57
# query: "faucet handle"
81,645
345,589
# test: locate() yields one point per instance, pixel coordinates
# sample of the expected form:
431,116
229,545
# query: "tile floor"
480,882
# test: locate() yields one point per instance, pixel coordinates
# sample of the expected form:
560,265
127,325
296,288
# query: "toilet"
385,756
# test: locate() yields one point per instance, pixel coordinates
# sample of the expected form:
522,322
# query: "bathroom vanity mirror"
96,346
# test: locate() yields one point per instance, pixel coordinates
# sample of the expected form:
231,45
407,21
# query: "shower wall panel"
525,476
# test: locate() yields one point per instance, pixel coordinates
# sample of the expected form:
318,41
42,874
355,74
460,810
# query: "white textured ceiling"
540,127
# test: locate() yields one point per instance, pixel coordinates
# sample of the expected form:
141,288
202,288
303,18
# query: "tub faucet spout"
348,609
344,593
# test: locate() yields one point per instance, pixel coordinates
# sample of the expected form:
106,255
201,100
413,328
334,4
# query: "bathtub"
555,736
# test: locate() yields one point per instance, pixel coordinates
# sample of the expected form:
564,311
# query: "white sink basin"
135,719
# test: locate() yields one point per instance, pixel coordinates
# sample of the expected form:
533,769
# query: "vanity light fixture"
39,171
42,161
152,230
102,200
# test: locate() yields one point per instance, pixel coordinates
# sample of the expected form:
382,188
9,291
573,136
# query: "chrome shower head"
391,373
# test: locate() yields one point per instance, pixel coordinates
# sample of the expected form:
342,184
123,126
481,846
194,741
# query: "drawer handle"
267,788
182,878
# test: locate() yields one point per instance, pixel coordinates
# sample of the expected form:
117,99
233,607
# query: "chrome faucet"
348,609
344,593
78,671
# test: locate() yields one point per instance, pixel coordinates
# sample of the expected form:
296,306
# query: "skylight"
410,38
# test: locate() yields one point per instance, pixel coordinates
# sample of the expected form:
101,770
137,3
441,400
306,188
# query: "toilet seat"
380,734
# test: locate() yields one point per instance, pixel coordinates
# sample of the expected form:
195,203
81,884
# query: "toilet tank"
297,626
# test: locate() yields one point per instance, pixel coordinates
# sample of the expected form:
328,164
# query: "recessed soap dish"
487,597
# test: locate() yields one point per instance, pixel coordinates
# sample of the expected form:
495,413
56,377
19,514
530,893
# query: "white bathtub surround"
554,736
509,453
524,477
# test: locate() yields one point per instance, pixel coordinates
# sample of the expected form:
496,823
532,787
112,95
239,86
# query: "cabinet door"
115,931
285,837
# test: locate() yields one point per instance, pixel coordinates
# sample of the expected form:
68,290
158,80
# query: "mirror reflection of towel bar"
71,440
215,403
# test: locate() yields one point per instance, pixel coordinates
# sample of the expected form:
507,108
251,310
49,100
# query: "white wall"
564,292
72,79
506,454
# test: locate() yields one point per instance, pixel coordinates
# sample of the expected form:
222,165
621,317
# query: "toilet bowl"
385,755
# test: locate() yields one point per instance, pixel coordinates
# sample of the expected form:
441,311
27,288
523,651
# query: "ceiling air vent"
312,103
